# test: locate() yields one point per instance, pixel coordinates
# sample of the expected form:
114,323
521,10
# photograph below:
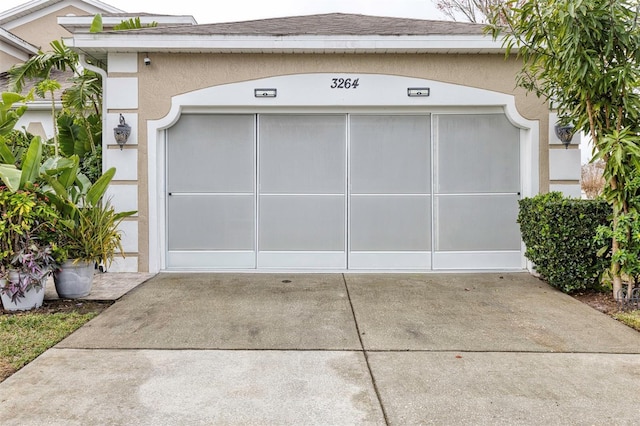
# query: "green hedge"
559,236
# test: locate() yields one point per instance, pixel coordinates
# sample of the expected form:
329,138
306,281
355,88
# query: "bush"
559,234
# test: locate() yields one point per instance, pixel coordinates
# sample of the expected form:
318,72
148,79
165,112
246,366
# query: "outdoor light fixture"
565,134
147,60
265,93
418,92
122,132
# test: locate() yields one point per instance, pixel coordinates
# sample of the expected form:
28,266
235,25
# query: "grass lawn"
24,336
630,318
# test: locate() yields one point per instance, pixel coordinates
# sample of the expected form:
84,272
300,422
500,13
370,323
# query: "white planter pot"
74,279
32,299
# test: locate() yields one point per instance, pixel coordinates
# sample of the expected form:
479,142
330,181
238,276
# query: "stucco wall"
173,74
42,31
7,61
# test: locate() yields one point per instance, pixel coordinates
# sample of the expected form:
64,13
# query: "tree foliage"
75,131
479,11
583,57
78,127
39,67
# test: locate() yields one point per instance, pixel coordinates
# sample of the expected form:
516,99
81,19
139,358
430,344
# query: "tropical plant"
627,235
78,127
89,226
29,268
582,57
50,87
9,116
25,177
124,25
17,142
28,249
40,66
93,235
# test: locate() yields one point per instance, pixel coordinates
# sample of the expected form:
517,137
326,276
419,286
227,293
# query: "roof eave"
16,42
131,42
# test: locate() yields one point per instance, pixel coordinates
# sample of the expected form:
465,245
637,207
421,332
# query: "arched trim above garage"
320,93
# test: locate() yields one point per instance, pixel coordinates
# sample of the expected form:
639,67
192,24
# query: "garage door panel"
477,223
302,223
211,153
390,154
391,223
477,153
211,222
184,259
302,154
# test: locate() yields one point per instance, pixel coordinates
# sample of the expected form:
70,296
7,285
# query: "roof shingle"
326,24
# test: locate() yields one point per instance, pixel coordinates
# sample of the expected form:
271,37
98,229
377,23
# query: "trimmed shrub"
559,234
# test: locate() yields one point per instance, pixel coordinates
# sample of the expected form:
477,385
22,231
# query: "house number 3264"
345,83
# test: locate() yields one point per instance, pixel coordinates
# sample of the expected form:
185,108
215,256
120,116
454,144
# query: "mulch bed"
603,302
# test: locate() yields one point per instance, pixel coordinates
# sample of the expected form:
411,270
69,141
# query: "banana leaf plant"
89,223
79,202
13,177
9,116
33,170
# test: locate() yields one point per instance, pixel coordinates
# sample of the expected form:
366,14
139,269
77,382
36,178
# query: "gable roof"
326,33
329,24
36,5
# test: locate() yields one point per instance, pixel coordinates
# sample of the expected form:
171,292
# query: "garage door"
343,191
390,192
476,192
302,188
211,192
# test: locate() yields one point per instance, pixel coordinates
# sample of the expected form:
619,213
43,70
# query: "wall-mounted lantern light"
122,132
565,134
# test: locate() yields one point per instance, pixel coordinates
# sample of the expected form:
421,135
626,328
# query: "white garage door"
302,187
343,191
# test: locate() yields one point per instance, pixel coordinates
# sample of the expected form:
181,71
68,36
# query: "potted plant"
88,229
24,286
28,253
91,237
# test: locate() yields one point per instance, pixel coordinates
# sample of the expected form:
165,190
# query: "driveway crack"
364,352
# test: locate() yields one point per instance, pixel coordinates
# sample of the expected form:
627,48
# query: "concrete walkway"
333,349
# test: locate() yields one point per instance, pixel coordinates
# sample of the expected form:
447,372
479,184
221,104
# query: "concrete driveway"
334,349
